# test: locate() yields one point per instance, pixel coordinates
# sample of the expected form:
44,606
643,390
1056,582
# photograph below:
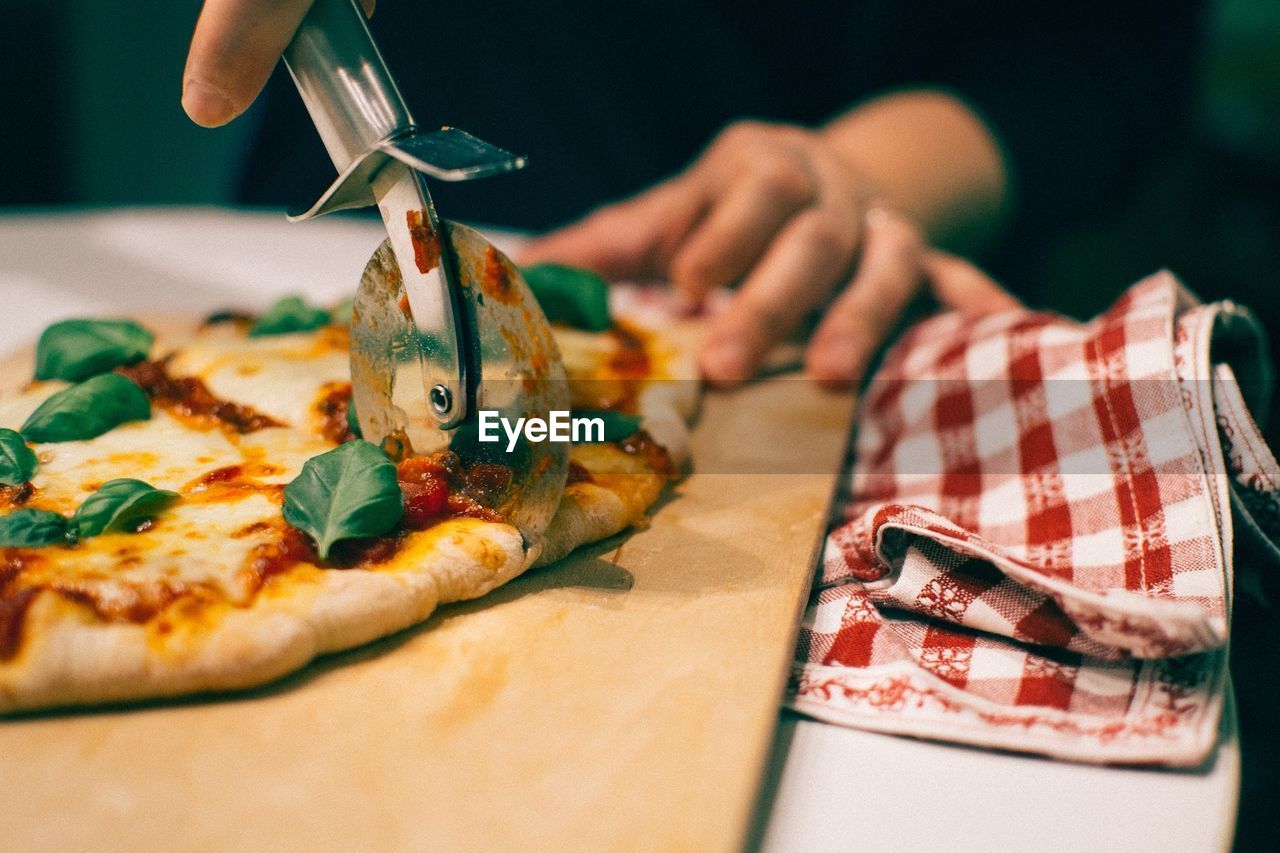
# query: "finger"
812,253
629,239
888,275
235,46
960,285
730,240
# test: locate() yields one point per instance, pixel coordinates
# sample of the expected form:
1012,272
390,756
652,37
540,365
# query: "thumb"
235,45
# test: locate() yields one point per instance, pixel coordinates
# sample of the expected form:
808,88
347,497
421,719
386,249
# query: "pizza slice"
196,511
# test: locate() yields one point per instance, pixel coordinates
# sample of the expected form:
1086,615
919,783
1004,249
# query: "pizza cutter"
443,326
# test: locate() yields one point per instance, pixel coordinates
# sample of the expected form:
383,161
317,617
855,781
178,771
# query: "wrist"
926,154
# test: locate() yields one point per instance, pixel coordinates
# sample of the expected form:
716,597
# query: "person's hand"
775,210
234,48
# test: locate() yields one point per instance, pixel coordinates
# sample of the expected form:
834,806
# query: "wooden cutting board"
623,698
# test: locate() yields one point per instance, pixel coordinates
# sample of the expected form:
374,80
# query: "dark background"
90,116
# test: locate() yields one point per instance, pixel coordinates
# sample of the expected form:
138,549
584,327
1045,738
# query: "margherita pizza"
195,512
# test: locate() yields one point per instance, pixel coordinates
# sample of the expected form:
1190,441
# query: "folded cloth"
1035,551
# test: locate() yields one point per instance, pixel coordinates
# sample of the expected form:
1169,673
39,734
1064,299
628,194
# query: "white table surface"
828,788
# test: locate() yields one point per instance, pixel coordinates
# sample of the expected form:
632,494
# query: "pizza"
190,510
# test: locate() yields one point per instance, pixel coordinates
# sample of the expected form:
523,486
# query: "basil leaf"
575,297
17,461
31,528
290,314
87,410
77,349
617,425
120,505
349,492
353,418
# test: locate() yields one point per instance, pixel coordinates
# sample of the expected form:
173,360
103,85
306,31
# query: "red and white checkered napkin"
1036,550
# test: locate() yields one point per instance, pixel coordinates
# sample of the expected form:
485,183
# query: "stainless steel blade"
519,373
448,154
429,279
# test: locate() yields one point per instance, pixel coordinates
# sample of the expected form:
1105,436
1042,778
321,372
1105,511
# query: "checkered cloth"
1036,548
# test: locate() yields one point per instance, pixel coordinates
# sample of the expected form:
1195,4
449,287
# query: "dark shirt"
608,98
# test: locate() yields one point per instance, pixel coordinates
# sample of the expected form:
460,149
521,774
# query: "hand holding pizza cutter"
443,324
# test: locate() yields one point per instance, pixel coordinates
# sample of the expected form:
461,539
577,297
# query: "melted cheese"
230,492
17,406
585,354
192,545
278,375
161,451
283,449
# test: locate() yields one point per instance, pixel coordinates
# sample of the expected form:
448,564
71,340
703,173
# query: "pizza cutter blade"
444,329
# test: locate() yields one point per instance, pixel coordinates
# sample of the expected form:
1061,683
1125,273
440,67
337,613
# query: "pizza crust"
69,657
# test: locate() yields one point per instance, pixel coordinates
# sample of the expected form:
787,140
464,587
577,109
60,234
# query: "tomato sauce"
16,495
577,474
654,455
439,486
332,408
13,612
616,386
426,243
631,361
496,281
291,546
190,398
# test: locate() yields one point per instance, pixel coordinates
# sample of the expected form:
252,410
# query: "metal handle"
344,82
